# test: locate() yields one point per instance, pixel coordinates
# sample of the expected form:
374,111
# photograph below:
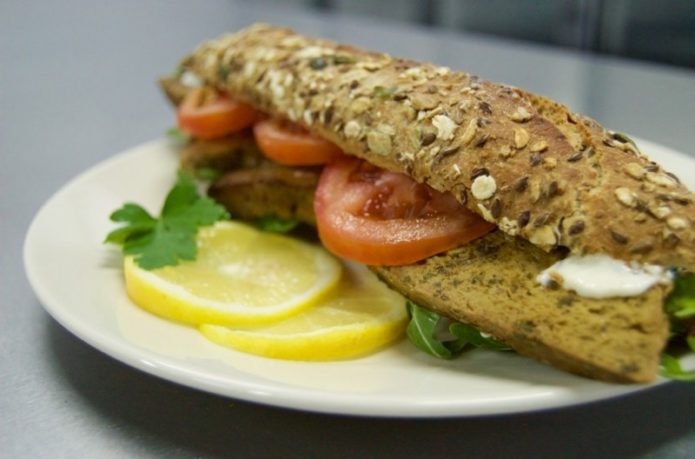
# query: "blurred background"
652,30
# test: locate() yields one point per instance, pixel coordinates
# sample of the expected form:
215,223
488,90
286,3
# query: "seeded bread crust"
521,161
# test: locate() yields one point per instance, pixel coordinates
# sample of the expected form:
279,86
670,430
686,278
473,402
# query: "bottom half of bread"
491,284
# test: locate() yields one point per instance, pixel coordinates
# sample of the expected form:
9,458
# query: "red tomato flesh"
289,144
207,114
379,217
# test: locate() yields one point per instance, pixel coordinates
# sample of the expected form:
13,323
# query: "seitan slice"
491,284
282,192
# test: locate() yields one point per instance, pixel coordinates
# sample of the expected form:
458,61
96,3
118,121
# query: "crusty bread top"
522,161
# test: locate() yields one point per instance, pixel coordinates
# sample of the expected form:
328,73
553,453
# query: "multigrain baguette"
522,161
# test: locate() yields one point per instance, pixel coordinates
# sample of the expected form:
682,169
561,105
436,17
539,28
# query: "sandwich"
495,207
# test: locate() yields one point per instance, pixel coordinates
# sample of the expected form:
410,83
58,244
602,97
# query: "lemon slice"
361,315
241,276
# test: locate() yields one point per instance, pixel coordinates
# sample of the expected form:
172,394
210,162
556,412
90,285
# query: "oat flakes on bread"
520,160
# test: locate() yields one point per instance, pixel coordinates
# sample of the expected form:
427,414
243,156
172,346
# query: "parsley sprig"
165,241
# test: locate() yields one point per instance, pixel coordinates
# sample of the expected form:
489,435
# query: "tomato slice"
379,217
208,114
289,144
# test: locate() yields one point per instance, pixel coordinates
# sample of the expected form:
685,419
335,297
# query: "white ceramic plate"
79,281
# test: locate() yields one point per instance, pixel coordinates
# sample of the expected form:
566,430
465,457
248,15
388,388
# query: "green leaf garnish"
424,331
671,368
680,306
681,302
176,135
276,224
467,334
139,223
209,174
421,330
171,238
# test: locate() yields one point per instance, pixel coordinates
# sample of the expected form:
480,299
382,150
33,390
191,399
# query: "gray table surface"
77,86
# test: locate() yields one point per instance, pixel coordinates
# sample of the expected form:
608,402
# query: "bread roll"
528,164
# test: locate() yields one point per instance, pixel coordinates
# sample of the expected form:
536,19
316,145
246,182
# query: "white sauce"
600,276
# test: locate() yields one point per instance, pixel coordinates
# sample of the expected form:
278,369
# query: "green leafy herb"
208,173
176,135
421,330
444,339
467,334
671,368
276,224
681,302
165,241
680,306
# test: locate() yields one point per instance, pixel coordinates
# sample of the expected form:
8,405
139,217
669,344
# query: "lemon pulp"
241,276
361,315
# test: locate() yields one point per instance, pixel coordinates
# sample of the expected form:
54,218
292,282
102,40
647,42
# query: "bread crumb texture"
560,179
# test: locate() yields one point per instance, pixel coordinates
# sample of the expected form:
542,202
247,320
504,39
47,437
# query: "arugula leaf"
442,338
276,224
209,174
681,302
467,334
680,306
165,241
671,368
176,135
421,329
